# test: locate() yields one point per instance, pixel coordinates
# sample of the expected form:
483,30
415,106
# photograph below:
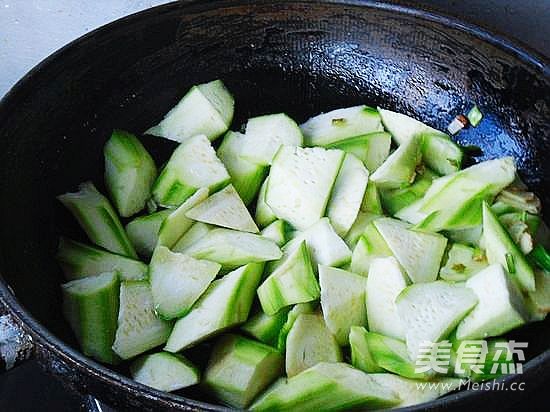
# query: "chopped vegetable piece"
342,301
340,124
143,232
79,260
297,310
205,109
327,387
462,263
197,231
458,123
474,116
431,311
164,371
177,281
129,172
266,328
370,246
300,183
361,356
224,208
372,148
396,199
226,303
358,228
541,257
139,328
266,134
310,342
384,283
538,302
277,232
292,282
247,177
91,306
347,194
240,368
98,219
500,305
193,165
264,215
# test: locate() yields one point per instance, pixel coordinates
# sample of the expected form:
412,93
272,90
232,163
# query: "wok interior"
297,58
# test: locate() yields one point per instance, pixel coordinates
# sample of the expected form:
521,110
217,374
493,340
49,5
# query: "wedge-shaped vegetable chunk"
462,263
327,387
264,215
292,282
411,392
470,236
79,260
197,231
399,169
538,302
340,124
266,134
226,303
370,246
396,199
361,356
500,248
91,306
297,310
438,151
500,305
143,231
232,248
277,232
325,246
98,219
164,371
139,329
205,109
177,223
454,201
372,202
385,282
177,281
342,301
240,368
347,194
247,177
266,328
392,355
310,342
431,311
224,208
419,253
129,172
372,148
358,228
193,165
300,183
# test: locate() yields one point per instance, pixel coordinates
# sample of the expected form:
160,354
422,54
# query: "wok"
301,57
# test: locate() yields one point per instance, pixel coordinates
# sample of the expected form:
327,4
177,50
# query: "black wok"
298,57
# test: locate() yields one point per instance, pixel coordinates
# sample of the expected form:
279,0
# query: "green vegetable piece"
340,124
164,371
361,356
372,148
98,219
143,231
292,282
327,387
129,172
264,215
226,209
79,260
197,231
226,303
193,165
342,301
462,263
358,228
310,342
498,244
500,305
240,368
177,281
206,109
247,177
396,199
474,116
277,232
297,310
266,328
91,306
371,245
139,328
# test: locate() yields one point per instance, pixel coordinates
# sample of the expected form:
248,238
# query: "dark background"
30,30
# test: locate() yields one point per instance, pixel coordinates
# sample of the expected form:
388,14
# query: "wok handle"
16,345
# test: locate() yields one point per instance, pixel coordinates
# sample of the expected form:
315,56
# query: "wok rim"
98,371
